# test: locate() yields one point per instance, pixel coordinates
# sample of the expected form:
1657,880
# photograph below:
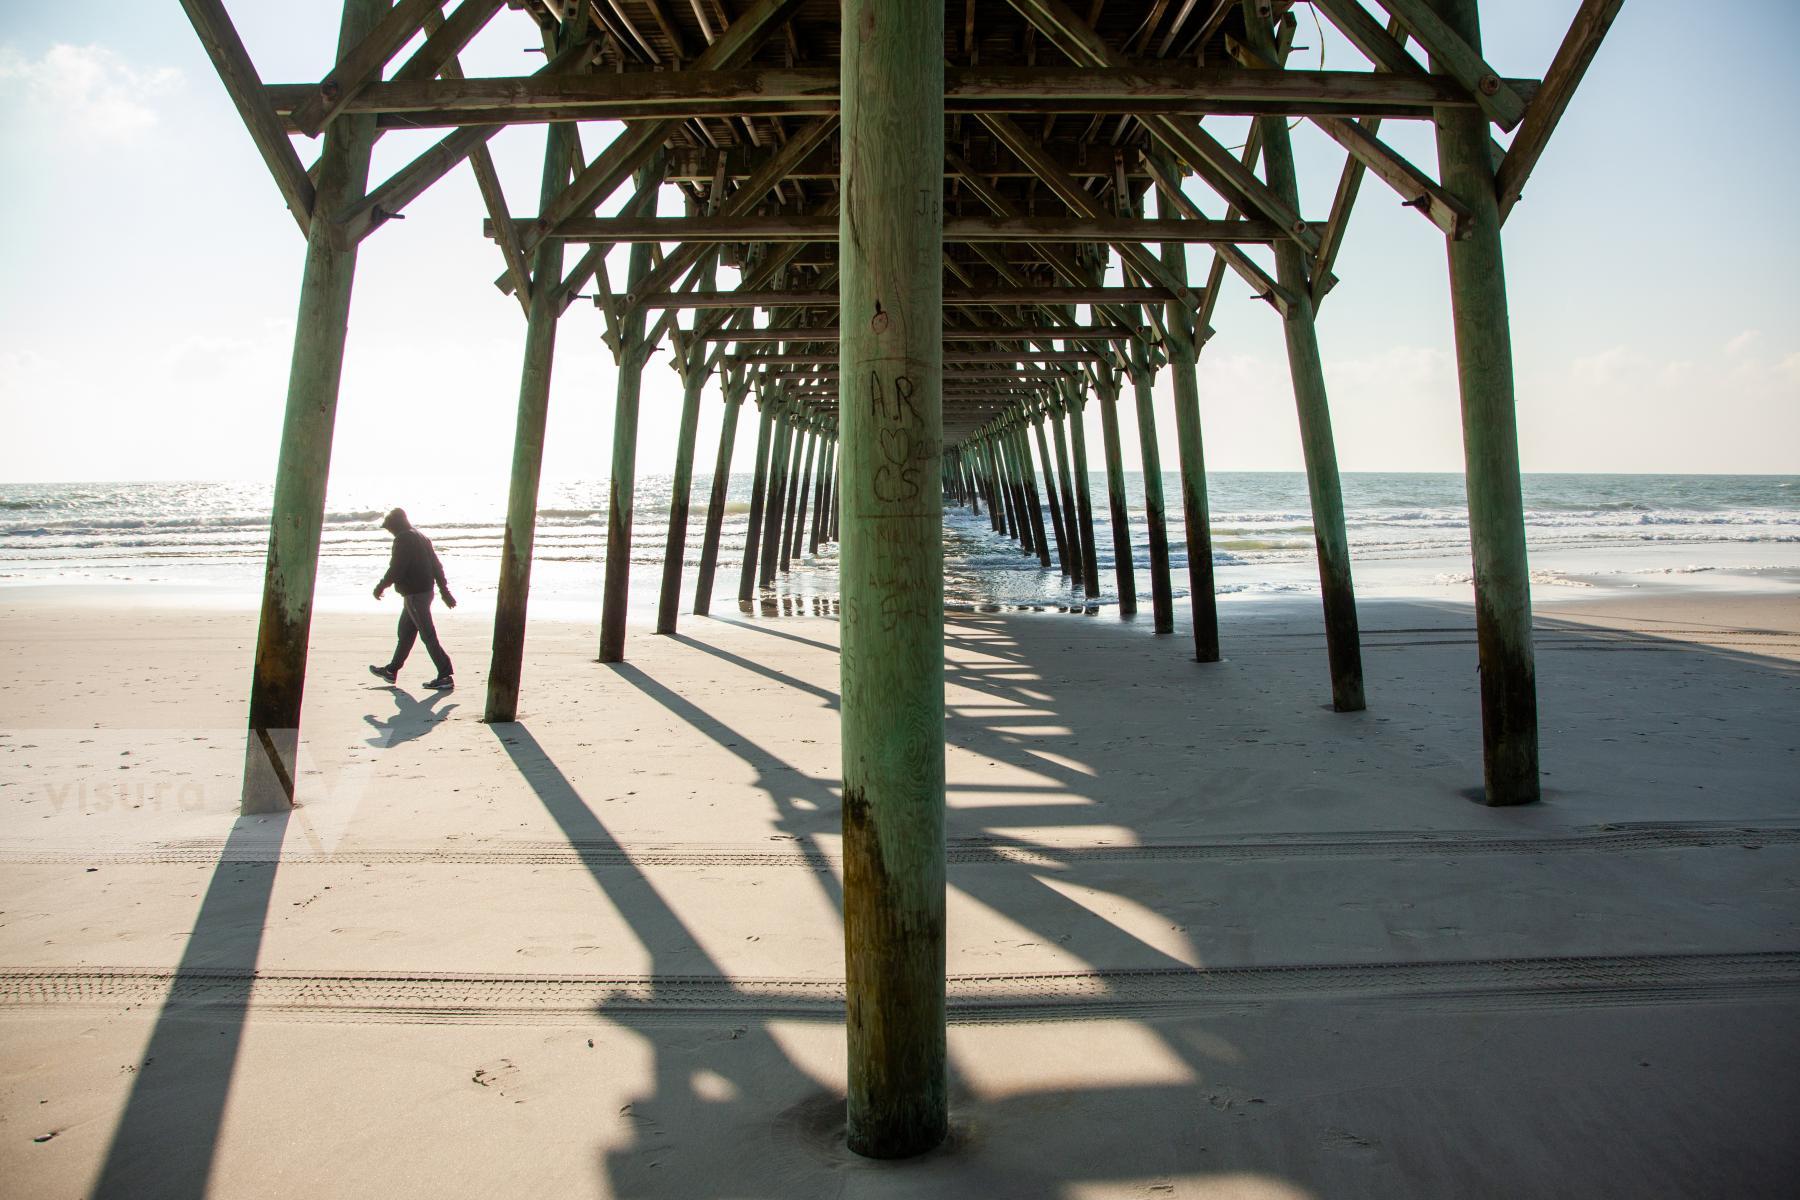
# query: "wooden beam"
1005,333
363,63
229,58
784,227
1417,189
1259,280
948,358
1578,48
963,297
631,148
739,205
412,100
1462,62
445,39
1382,47
1214,162
1081,201
410,182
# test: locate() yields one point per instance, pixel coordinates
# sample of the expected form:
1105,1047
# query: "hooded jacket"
414,565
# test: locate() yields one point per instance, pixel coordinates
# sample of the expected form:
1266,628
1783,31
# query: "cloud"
90,91
1742,342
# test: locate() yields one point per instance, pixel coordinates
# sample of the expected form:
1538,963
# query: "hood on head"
395,521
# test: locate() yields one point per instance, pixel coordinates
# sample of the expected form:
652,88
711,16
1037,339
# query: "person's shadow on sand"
412,718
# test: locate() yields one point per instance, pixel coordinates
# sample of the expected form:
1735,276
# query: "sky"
149,272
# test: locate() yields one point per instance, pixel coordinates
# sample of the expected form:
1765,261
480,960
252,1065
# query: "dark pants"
415,622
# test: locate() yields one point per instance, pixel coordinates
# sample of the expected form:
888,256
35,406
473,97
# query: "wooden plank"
363,63
1461,61
220,40
1578,48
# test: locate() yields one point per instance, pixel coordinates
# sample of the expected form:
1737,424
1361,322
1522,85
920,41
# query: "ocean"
205,542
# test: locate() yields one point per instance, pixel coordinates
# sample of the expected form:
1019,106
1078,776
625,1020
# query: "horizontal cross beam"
813,91
964,297
1092,333
789,228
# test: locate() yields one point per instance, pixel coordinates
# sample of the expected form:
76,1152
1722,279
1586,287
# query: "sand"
1207,937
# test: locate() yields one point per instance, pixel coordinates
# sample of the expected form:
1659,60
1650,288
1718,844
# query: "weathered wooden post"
1108,386
778,473
1195,510
971,484
759,489
635,351
736,387
1028,478
1162,597
815,460
1008,522
1077,543
693,382
1084,501
1056,519
278,679
1330,537
891,316
795,517
827,451
984,469
1484,370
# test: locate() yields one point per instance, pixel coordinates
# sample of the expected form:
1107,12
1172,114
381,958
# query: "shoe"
442,683
386,673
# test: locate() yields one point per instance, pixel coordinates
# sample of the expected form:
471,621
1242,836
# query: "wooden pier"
959,229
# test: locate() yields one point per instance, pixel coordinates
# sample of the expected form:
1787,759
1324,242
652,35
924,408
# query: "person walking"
412,570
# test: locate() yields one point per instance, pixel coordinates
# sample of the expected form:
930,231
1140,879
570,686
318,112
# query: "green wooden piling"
1084,501
1028,479
635,352
759,490
1056,520
1195,510
668,606
1115,495
795,515
1078,544
892,661
717,499
1490,449
278,678
1162,592
778,478
815,460
1330,537
827,447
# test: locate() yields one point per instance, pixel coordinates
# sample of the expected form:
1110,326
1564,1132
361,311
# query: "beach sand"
1207,937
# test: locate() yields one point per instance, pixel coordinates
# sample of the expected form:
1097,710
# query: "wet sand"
1207,937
